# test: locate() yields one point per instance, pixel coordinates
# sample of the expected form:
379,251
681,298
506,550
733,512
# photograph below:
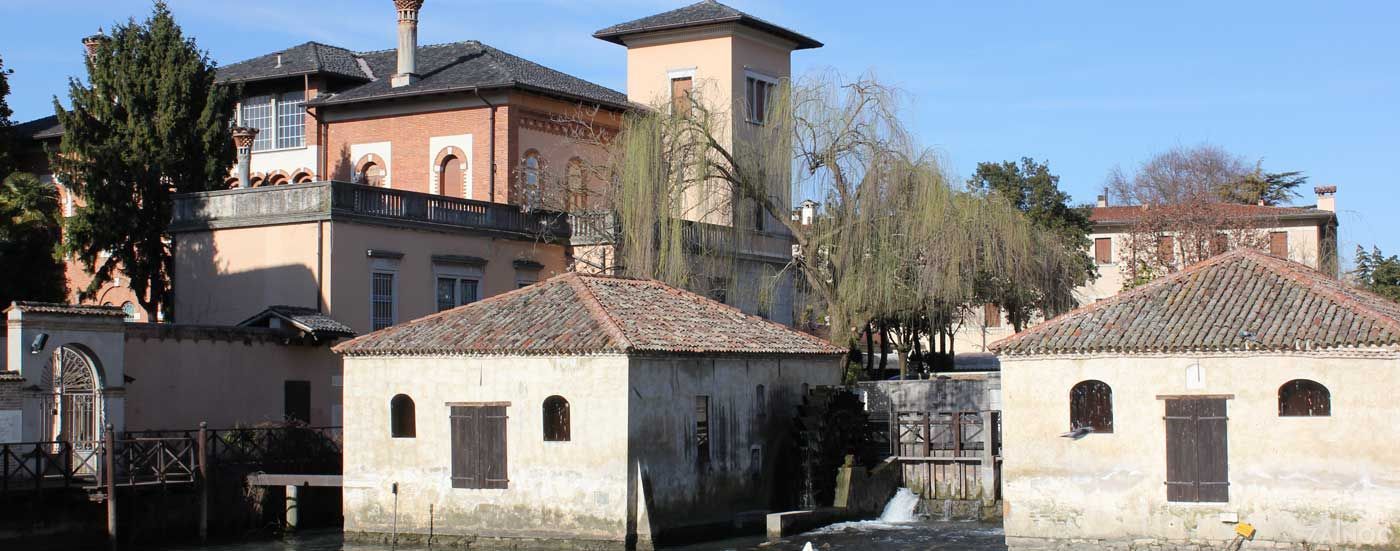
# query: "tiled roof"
1238,301
311,58
1132,213
462,66
68,309
708,12
582,314
309,320
38,129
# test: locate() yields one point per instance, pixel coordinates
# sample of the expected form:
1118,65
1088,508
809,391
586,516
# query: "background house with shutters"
1246,387
585,408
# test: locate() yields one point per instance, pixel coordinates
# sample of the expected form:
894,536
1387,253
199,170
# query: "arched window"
255,181
556,419
1091,405
402,420
450,177
301,176
277,179
760,400
577,187
371,171
1304,398
530,176
130,310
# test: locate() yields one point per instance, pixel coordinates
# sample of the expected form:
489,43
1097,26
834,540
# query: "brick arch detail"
365,160
257,179
303,175
231,182
278,178
435,186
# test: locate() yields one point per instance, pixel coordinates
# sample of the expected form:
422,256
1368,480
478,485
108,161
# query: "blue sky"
1308,86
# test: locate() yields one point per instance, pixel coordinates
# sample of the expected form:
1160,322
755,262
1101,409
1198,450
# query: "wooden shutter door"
492,430
1212,451
464,452
296,400
1103,250
1197,451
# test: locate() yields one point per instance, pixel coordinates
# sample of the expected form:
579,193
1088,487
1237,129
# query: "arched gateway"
75,400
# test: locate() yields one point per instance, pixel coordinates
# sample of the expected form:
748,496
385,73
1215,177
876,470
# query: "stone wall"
1327,481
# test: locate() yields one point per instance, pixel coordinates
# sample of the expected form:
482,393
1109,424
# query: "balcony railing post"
109,467
203,481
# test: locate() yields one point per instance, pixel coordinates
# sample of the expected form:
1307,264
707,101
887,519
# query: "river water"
870,535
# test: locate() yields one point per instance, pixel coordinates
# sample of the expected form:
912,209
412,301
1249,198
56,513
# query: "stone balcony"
343,201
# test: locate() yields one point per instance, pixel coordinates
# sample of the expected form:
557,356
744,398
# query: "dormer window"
279,118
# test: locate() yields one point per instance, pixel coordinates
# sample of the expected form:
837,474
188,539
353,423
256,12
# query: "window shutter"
1212,453
464,461
1103,250
1278,244
1181,451
492,431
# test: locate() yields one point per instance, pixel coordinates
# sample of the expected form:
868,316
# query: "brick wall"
11,390
409,135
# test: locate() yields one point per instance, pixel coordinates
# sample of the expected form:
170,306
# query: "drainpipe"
490,144
243,138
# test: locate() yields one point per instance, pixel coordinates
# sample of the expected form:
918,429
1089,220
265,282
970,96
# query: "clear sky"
1311,86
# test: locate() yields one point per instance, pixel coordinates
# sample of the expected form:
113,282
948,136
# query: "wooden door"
1197,450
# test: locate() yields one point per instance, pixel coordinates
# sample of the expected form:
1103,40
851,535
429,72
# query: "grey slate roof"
585,314
1243,300
311,58
307,320
708,12
462,66
38,129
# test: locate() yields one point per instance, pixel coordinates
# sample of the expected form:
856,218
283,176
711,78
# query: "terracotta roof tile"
583,314
1133,213
1241,300
68,309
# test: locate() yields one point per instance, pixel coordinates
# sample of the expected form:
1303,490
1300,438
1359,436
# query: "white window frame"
772,82
458,273
272,131
384,266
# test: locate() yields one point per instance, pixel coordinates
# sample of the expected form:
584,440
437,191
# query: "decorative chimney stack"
92,43
408,42
243,137
1103,201
1326,198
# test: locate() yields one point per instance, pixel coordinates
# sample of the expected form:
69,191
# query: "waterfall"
900,507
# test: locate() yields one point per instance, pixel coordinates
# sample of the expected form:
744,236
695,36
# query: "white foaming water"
898,515
900,507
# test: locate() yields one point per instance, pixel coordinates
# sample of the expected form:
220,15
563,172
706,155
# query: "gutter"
490,144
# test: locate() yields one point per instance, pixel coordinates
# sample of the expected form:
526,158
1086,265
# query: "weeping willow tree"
895,243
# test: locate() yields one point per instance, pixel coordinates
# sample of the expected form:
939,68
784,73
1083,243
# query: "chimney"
279,59
243,137
1326,198
408,42
1103,201
92,43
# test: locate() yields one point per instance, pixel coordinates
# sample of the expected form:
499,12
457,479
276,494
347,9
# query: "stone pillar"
243,137
408,42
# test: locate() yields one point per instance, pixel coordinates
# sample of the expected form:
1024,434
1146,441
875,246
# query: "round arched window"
1304,398
556,419
1091,406
402,419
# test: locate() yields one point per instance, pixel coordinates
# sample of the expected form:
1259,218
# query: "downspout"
490,144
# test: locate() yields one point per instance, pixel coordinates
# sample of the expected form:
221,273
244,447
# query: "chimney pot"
279,59
1103,201
408,42
93,42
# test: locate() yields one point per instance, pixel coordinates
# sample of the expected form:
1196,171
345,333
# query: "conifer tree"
149,123
6,143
